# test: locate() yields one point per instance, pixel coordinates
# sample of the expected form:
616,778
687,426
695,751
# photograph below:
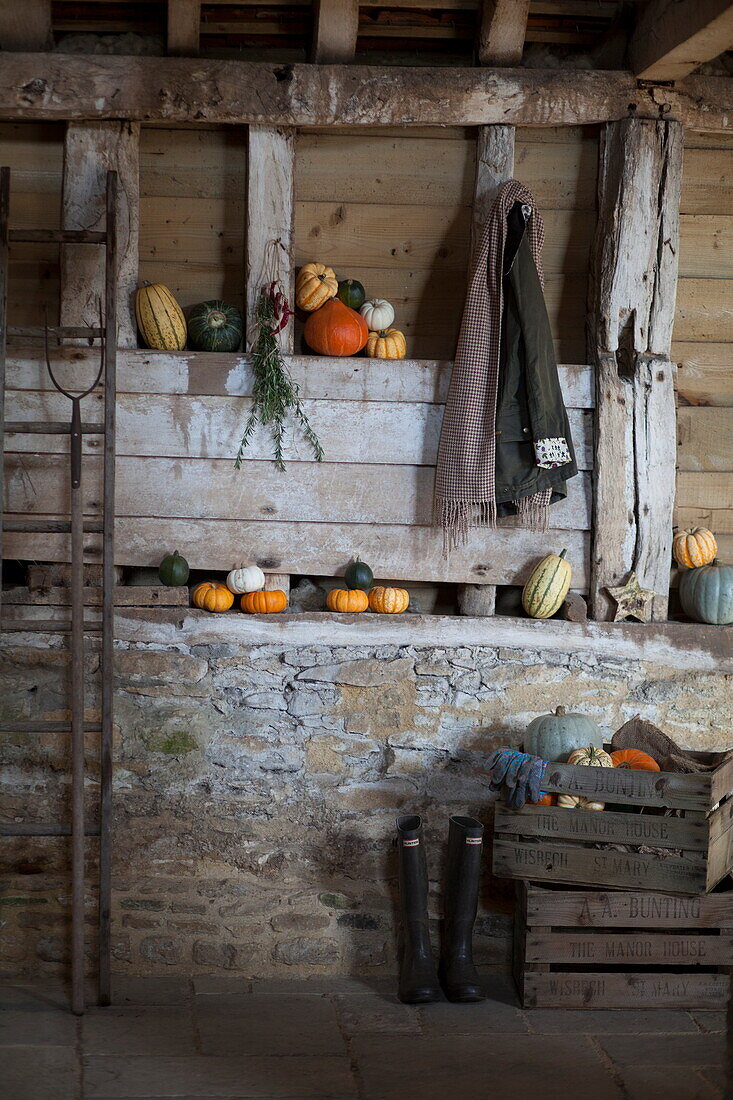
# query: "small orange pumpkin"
264,603
347,600
545,800
388,601
212,596
634,759
334,329
694,547
387,344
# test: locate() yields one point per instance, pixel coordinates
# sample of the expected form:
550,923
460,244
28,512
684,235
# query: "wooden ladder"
76,526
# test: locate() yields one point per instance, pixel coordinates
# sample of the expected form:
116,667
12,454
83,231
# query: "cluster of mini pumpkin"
361,593
552,737
706,585
247,582
341,320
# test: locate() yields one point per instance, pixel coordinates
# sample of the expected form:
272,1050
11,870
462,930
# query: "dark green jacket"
530,404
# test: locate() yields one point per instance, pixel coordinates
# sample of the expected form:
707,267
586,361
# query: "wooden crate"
694,837
590,949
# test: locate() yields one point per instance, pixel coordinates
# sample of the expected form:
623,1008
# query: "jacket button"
526,431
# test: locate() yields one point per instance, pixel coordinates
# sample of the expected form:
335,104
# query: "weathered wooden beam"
176,89
631,312
335,29
184,19
269,237
677,645
673,37
26,25
502,27
91,148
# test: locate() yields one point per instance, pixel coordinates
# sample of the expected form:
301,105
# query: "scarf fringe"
457,517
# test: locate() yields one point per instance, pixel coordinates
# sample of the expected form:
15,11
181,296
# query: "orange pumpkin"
388,601
634,759
694,547
314,285
212,596
264,603
545,800
334,329
347,600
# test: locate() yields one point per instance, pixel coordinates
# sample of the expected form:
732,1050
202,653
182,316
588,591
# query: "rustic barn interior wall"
703,339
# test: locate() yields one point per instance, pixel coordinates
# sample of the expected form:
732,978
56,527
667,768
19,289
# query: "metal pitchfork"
77,672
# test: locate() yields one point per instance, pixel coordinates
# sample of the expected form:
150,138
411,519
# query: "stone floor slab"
28,993
159,1029
39,1073
671,1084
116,1078
617,1021
39,1025
220,983
433,1069
472,1020
326,986
268,1024
375,1013
665,1050
132,990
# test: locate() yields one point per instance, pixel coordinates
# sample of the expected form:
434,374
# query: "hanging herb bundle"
274,393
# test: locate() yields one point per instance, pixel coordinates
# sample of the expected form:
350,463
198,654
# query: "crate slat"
668,790
632,948
689,833
601,990
632,908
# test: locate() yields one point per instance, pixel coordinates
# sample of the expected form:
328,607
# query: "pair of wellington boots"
456,976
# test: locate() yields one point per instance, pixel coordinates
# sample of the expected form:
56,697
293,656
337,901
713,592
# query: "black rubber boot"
418,979
458,975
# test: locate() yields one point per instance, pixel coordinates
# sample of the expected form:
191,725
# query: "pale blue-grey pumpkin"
555,736
706,594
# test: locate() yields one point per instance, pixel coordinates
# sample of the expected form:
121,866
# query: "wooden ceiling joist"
672,38
58,87
184,21
335,28
26,25
502,27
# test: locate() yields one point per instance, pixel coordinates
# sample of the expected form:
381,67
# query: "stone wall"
256,790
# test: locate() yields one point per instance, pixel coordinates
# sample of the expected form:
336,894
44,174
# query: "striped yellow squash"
160,318
547,586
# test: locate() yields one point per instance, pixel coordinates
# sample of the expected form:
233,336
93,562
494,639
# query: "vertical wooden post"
494,166
633,283
4,262
91,148
25,25
269,243
502,28
184,19
335,30
277,580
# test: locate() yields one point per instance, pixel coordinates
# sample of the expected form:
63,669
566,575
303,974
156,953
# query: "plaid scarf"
465,477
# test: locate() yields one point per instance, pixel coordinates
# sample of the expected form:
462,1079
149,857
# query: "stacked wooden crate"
647,919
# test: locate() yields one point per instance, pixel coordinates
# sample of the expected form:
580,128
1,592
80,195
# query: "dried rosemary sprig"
274,393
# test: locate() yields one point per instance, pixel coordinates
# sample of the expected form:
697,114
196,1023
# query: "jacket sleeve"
545,405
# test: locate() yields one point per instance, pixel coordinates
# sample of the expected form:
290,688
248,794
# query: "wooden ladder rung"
11,829
49,526
44,726
60,236
72,332
50,427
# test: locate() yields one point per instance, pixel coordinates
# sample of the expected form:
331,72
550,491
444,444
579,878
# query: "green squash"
706,593
173,570
555,736
352,293
214,326
358,575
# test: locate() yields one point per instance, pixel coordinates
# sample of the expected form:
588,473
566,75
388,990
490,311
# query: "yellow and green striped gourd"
547,586
160,318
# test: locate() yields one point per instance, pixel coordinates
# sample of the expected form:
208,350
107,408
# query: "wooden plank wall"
703,339
35,152
393,209
192,197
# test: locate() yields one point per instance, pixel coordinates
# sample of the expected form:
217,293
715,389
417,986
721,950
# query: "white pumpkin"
378,314
578,802
248,578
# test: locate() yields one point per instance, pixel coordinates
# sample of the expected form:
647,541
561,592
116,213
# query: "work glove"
518,774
